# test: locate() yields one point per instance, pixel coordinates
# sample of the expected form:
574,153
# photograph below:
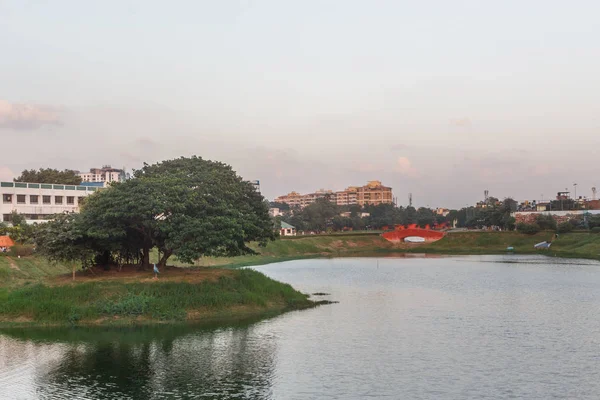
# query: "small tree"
64,240
565,227
546,222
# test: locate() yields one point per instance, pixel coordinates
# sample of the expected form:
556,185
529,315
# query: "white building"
104,174
275,212
39,201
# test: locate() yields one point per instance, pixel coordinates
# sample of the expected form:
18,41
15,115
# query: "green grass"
244,292
576,244
16,271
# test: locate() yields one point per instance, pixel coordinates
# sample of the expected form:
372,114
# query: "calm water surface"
496,327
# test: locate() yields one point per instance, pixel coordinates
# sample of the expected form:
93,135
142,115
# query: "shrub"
594,221
546,222
595,229
20,250
565,227
529,229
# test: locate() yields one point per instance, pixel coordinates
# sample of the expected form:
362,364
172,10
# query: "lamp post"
575,189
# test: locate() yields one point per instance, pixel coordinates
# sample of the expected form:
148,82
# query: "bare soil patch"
131,274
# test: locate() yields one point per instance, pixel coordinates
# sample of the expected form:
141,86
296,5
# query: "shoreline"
36,293
183,296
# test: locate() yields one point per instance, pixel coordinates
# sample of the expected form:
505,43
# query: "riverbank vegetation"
127,298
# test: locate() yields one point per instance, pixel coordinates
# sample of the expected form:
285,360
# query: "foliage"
3,229
282,206
19,250
64,239
593,221
595,229
188,207
565,204
49,175
21,232
529,229
546,222
496,214
565,227
17,219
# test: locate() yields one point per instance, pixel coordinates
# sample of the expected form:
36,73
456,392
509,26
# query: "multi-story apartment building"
373,193
348,197
104,174
39,201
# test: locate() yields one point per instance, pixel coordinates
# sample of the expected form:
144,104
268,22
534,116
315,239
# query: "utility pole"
575,188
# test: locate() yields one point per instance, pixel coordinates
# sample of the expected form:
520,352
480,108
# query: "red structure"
6,242
401,233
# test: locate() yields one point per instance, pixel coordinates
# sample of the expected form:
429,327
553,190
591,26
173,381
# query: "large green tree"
49,175
188,207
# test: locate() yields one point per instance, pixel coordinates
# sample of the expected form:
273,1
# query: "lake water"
477,327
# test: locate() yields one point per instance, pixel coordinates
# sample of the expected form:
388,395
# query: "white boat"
414,239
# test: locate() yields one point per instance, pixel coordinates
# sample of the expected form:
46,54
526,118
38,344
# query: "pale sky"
443,99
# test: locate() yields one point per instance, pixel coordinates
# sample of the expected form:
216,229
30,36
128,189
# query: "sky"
441,99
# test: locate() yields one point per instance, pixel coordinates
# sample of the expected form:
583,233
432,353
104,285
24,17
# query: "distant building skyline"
373,193
105,174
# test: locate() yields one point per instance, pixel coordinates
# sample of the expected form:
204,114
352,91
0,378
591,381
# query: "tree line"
49,175
324,215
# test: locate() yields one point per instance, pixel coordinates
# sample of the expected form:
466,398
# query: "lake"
472,327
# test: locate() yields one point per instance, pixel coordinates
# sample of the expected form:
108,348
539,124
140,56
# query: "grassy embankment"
574,245
130,297
577,244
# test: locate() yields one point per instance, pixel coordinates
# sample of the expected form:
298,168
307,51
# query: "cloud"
6,174
463,122
27,116
369,167
404,167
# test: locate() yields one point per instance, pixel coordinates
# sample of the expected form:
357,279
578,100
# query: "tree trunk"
165,257
146,257
73,272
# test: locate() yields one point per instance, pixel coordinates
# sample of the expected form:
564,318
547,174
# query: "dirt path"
12,264
130,274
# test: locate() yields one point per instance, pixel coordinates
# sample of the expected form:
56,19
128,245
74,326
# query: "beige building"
105,174
373,193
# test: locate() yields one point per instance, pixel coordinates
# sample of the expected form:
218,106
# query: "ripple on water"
458,327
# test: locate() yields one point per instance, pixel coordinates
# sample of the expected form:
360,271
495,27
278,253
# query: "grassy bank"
577,244
223,294
293,248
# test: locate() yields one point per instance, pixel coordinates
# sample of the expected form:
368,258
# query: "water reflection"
494,327
149,363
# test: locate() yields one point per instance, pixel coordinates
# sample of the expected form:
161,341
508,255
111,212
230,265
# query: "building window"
58,199
47,199
34,199
21,199
7,198
70,200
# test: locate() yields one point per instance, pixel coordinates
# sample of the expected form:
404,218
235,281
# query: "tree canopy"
188,207
49,175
